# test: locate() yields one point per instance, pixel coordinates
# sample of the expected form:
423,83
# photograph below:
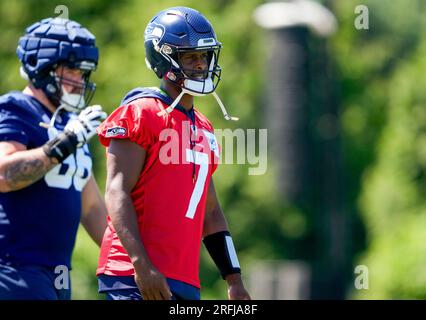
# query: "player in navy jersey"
46,183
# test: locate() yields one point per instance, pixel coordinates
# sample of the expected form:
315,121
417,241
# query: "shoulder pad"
17,102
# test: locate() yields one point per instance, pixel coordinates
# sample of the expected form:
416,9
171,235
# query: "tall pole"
301,116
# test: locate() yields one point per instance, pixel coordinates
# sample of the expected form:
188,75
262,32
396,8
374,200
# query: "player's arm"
125,161
219,244
93,215
20,167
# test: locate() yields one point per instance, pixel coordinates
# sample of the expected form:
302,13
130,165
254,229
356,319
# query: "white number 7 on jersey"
202,160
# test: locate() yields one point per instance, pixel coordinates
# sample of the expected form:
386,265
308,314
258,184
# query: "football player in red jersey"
161,155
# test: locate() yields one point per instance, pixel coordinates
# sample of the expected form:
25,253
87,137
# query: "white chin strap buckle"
179,97
222,107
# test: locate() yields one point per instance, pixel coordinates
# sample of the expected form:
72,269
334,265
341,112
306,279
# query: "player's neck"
187,101
40,96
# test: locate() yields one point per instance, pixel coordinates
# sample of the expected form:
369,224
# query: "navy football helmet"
53,42
175,31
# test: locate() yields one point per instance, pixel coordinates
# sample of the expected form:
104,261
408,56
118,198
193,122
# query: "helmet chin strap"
71,102
184,90
52,131
222,107
172,106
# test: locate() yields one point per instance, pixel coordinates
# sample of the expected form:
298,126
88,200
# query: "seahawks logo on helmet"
154,31
116,131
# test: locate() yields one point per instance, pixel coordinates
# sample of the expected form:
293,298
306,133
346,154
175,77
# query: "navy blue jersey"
38,224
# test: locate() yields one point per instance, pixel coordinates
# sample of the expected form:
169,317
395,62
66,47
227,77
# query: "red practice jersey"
170,195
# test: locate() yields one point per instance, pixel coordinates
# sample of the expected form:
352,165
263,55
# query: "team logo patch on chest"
116,131
211,138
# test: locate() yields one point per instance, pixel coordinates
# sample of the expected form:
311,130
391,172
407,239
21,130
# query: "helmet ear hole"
32,60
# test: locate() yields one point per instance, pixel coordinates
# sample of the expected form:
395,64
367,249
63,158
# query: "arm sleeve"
128,122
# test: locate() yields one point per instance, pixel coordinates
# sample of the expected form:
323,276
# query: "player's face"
72,79
194,64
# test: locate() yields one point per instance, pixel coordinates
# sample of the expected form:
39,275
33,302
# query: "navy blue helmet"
53,42
177,30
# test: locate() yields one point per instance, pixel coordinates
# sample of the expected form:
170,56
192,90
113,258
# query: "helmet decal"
154,31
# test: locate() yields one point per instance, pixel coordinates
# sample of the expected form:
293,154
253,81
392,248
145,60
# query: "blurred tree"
383,121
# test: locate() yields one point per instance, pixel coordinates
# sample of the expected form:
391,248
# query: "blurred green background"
377,77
